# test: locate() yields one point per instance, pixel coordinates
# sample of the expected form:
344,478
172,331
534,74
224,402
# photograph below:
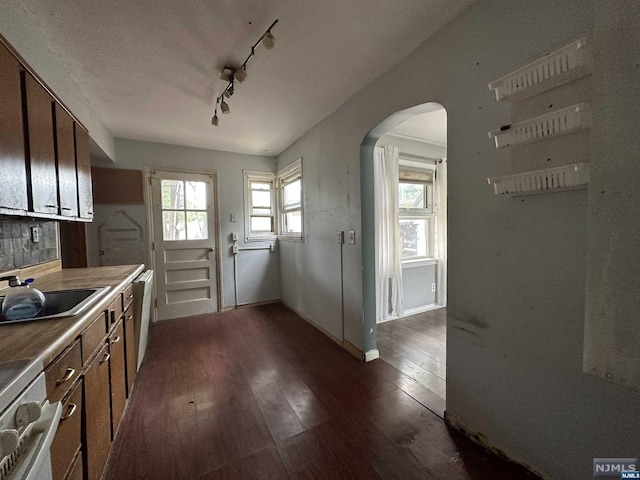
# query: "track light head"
268,41
214,120
225,107
229,91
240,75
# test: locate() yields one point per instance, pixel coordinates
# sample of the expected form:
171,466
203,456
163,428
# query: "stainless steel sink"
63,303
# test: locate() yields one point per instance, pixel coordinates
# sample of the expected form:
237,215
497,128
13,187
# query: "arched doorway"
404,191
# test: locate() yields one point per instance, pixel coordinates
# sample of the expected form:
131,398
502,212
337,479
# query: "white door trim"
150,231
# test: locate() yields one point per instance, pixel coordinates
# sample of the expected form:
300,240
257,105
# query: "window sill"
285,238
264,238
419,262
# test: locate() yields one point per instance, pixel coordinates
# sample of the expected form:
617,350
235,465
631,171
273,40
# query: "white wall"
516,266
259,271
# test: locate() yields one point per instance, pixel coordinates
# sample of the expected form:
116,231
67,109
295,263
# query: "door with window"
184,246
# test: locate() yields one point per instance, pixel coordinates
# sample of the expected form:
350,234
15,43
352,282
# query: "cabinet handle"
129,317
51,206
70,373
66,208
89,213
106,358
70,412
112,314
129,297
116,339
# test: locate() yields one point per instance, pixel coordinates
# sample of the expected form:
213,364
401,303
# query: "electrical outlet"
340,237
433,287
352,237
234,249
35,235
234,236
273,247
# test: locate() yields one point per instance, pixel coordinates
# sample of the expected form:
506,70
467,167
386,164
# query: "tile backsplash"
18,250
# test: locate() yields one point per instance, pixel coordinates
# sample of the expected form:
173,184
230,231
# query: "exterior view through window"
184,210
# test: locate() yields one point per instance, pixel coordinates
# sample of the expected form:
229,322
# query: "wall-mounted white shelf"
560,122
555,179
563,65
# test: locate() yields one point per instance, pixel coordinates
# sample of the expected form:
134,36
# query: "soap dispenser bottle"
22,302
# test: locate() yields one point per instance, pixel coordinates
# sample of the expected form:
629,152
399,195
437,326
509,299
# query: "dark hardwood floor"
417,346
257,393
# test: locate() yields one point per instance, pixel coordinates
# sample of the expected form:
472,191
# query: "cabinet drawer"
127,297
93,337
63,371
68,440
115,311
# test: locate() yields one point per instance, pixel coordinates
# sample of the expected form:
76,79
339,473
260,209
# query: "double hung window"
260,206
417,219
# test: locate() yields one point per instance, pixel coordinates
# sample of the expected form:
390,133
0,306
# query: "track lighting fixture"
268,41
240,74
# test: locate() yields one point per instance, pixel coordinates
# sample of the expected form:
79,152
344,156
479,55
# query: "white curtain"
388,249
440,194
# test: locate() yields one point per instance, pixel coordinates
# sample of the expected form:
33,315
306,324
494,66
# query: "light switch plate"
234,217
35,235
352,237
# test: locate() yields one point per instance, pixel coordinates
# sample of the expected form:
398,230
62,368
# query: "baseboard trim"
255,304
349,347
371,355
479,438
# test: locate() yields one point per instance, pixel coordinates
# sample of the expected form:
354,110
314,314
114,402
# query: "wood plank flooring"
257,393
416,345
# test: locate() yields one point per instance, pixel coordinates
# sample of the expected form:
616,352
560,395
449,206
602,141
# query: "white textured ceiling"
150,69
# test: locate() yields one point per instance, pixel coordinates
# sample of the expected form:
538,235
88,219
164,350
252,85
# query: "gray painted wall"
517,267
259,271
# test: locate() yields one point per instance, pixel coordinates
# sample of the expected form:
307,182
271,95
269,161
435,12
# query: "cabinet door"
13,171
66,163
41,152
97,415
118,380
130,347
68,440
83,164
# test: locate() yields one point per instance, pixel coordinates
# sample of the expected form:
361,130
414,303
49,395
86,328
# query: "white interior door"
184,245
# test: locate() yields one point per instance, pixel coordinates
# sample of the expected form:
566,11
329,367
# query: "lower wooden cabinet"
68,440
77,470
118,377
97,414
131,348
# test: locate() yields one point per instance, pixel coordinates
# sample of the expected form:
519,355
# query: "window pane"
172,194
196,195
411,195
173,225
197,226
292,222
414,237
291,193
261,224
260,186
261,211
261,199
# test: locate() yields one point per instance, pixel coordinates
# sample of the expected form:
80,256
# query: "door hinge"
156,301
150,180
153,246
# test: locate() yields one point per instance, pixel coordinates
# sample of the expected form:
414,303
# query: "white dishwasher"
28,422
142,294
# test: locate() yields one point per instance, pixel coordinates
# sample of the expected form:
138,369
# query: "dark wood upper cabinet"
43,186
83,165
13,171
66,162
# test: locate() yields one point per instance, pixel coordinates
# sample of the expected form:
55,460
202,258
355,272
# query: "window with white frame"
416,215
260,206
290,201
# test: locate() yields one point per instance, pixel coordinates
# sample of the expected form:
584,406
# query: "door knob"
210,249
